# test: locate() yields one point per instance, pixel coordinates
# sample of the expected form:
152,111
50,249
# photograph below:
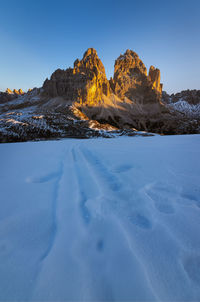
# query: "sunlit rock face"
127,68
85,83
97,83
131,81
15,91
9,91
131,99
18,92
154,76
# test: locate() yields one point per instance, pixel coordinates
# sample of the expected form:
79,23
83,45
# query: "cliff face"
85,83
130,96
131,81
154,77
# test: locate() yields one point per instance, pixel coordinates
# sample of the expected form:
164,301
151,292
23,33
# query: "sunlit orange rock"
85,83
9,91
18,92
15,91
154,76
131,81
130,99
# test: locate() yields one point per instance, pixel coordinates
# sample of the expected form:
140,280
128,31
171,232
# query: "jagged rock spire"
14,91
9,91
85,83
131,81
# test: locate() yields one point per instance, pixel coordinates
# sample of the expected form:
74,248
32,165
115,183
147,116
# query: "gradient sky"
37,37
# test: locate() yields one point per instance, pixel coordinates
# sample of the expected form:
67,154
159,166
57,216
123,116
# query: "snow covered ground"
101,220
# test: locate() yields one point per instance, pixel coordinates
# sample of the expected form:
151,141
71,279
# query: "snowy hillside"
192,110
31,117
101,220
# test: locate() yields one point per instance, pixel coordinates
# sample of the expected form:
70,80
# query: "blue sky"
37,37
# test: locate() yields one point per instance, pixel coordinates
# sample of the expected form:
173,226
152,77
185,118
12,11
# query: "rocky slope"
10,95
192,97
185,105
35,117
82,102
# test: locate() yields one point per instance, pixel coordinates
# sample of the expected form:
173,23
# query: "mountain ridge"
130,101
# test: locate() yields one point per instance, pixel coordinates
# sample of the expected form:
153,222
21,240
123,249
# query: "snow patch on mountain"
184,107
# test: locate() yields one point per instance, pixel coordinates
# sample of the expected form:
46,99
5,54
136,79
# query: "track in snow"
111,228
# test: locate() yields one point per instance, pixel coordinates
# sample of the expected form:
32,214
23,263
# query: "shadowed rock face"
192,97
5,97
9,95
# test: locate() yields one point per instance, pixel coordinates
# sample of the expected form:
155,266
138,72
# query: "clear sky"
37,37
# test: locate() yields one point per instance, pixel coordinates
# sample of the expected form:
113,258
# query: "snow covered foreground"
101,220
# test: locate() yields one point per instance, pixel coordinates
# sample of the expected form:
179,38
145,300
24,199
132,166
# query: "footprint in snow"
100,245
163,196
140,221
190,198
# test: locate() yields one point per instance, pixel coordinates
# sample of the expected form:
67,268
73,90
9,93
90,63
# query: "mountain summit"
130,94
85,83
82,102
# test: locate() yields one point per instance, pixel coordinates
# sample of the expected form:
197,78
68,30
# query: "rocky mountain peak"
18,92
131,81
9,91
124,99
129,62
85,83
91,62
89,52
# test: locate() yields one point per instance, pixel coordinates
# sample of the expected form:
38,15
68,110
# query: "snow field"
101,220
